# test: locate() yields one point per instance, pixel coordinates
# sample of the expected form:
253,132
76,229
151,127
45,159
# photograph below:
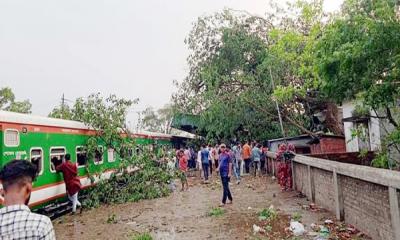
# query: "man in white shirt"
17,222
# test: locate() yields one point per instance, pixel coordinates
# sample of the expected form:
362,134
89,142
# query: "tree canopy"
8,103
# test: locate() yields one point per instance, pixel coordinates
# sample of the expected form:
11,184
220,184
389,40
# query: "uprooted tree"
107,117
235,59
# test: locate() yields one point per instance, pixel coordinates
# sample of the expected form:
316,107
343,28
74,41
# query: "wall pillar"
394,211
339,203
310,184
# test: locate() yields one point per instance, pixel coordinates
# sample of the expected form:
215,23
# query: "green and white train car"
45,141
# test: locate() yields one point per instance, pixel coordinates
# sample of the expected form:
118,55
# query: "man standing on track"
72,182
16,220
247,156
225,168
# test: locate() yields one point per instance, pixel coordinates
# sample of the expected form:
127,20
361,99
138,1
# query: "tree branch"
291,121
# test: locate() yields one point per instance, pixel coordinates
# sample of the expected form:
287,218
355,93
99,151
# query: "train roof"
21,118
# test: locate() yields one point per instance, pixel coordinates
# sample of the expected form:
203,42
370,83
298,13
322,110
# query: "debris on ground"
257,229
328,221
297,228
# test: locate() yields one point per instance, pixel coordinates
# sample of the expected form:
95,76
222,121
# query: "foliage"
235,57
296,216
107,116
112,219
149,181
8,103
381,160
62,112
267,214
358,57
143,236
157,121
216,212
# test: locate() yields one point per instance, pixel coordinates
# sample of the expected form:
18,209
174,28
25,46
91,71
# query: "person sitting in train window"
16,220
98,156
81,158
37,162
55,161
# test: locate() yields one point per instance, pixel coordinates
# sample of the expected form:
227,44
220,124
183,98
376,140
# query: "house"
363,131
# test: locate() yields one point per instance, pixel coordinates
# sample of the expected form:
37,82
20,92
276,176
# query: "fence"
363,196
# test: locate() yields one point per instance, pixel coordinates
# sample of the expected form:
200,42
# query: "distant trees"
157,120
8,103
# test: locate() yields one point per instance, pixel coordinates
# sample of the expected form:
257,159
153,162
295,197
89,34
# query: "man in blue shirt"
205,161
224,168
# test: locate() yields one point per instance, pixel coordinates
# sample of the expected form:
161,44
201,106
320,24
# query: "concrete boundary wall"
365,197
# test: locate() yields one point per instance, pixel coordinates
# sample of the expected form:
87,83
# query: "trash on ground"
257,229
328,221
324,232
297,228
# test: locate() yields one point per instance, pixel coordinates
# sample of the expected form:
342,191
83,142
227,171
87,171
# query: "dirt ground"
185,215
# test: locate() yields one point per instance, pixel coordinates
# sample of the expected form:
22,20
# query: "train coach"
45,141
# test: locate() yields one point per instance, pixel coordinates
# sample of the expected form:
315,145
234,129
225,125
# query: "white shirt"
17,222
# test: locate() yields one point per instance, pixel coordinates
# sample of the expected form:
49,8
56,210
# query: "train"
44,141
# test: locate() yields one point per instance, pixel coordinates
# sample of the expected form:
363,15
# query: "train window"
81,156
37,159
11,138
98,155
130,152
111,155
57,155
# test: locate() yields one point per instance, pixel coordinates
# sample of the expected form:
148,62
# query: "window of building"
37,159
111,155
57,155
98,155
81,156
11,138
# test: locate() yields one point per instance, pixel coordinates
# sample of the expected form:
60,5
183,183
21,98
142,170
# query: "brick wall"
324,193
366,205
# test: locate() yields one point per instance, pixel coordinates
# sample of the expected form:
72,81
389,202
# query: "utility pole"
277,105
62,106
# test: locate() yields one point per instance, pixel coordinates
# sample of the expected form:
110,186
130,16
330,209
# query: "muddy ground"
186,215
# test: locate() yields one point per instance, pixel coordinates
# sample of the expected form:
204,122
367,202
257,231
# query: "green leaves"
8,103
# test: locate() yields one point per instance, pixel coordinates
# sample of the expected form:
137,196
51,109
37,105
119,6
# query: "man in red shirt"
72,182
183,166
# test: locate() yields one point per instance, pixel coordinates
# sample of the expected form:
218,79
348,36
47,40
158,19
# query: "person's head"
222,147
181,152
67,157
203,146
17,177
259,145
228,147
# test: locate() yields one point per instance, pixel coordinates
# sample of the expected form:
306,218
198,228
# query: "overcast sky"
132,48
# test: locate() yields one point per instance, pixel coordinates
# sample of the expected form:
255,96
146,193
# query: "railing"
383,177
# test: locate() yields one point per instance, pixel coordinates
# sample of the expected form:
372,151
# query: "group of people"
223,160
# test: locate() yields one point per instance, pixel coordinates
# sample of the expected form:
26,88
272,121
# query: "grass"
267,214
215,212
112,219
296,216
143,236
